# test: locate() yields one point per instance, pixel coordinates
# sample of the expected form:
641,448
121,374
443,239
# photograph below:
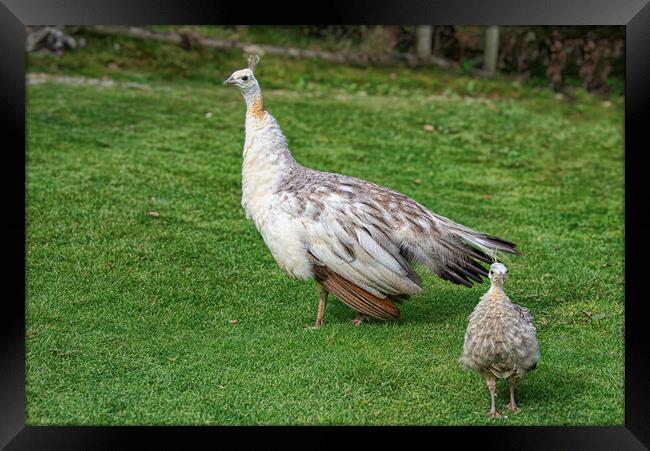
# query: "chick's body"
501,338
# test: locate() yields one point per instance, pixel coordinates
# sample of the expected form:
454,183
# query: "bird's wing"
368,235
352,250
345,237
355,297
525,314
400,224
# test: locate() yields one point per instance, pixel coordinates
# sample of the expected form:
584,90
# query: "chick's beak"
229,81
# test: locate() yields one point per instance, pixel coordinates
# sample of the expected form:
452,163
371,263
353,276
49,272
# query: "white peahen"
357,239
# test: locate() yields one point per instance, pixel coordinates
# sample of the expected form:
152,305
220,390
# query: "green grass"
128,315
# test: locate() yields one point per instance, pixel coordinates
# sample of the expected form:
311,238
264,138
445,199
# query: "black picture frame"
633,14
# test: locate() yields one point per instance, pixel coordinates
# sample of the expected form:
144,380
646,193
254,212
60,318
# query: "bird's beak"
229,81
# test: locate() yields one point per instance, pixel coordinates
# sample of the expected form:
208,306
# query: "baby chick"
500,341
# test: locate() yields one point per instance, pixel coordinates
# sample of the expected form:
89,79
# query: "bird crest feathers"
252,61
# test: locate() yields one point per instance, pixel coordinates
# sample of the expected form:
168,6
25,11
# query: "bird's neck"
254,102
264,139
267,158
495,292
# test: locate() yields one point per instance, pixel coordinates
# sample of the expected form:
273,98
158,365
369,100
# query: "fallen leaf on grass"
233,321
598,316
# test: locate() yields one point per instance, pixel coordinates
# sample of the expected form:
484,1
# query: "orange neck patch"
256,108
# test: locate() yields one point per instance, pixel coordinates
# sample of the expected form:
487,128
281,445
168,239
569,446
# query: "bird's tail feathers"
458,252
489,245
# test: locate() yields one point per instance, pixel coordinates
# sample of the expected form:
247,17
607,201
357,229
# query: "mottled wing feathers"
371,235
355,297
355,244
524,313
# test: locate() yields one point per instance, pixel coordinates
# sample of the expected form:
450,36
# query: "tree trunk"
436,40
491,49
423,40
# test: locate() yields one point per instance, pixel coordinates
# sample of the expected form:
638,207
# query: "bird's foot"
317,325
494,414
359,319
513,408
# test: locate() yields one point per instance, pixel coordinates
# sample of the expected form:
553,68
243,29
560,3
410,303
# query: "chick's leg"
512,406
492,386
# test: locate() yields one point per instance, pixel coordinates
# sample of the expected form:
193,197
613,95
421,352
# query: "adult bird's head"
498,274
245,78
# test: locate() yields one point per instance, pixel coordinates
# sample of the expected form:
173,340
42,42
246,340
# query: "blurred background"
561,58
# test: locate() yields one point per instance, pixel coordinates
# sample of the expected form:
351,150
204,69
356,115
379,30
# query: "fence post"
491,49
423,40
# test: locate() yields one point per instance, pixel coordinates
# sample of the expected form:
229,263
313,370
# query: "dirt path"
39,78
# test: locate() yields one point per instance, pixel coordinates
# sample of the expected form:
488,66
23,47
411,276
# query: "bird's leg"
512,406
359,319
492,385
321,306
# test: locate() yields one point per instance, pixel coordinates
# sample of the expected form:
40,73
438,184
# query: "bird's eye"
245,77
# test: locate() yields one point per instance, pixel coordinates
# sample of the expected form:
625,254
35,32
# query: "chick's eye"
245,77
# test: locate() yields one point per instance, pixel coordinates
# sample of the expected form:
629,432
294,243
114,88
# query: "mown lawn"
130,313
